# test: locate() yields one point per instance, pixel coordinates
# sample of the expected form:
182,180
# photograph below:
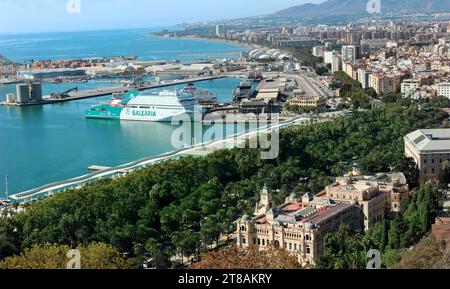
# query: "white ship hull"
165,107
158,115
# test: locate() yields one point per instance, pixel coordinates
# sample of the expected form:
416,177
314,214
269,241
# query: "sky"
25,16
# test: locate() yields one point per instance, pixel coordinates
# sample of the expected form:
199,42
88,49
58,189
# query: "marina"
51,126
54,142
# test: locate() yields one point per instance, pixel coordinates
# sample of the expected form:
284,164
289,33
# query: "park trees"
427,254
343,249
444,175
233,257
94,256
189,203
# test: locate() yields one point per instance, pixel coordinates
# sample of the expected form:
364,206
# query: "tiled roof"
291,207
324,214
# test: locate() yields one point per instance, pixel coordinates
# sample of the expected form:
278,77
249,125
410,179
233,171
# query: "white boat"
160,107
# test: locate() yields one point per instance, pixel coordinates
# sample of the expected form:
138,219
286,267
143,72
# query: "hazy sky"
18,16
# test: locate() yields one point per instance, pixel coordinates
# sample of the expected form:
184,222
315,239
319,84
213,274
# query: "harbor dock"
91,93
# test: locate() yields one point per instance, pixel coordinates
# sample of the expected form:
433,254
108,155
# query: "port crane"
29,63
63,94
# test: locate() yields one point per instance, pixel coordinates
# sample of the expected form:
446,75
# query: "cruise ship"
159,107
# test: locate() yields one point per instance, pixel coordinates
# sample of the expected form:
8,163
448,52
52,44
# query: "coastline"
242,47
49,190
226,41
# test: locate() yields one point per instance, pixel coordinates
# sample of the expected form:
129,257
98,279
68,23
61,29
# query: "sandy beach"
250,46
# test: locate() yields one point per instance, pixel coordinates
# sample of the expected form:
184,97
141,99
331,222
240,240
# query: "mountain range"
359,7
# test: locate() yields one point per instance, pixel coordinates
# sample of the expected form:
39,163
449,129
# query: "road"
312,85
307,81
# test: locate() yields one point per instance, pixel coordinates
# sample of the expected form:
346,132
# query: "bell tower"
265,203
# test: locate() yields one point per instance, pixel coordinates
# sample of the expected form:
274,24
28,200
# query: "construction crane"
28,63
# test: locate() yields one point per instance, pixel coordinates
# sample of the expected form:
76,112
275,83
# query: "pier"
4,82
91,93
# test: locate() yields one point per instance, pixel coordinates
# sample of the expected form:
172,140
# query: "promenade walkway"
120,171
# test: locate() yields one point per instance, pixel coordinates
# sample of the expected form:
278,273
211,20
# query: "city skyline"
53,15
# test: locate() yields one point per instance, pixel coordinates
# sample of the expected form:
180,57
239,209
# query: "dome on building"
246,218
264,56
356,169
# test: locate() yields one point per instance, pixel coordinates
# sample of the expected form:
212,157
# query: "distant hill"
358,7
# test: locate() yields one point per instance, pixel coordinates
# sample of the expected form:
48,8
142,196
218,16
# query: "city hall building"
301,223
298,226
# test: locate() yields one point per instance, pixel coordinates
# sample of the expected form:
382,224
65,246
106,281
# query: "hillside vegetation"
183,206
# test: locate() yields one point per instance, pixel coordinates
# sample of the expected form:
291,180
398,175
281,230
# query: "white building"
220,30
318,51
363,77
430,148
409,87
443,89
266,202
336,65
328,57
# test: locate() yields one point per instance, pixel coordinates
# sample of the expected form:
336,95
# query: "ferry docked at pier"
157,107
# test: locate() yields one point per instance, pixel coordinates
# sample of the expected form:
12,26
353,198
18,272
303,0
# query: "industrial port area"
264,87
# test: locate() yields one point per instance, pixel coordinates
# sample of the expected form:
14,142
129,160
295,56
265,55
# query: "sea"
45,144
134,42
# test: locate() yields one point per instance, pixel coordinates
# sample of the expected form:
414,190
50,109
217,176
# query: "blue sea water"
44,144
137,42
